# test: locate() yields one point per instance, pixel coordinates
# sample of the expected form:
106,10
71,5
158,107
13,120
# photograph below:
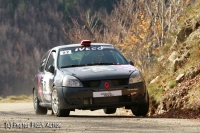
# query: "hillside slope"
175,82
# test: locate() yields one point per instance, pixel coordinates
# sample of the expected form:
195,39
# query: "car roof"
75,45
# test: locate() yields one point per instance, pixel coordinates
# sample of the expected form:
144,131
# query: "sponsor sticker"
89,48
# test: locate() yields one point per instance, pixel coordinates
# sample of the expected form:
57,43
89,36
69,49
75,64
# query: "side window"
43,62
51,60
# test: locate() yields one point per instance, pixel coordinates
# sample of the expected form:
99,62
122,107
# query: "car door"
48,78
40,75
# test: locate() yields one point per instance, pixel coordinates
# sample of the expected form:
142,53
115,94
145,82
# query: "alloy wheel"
55,102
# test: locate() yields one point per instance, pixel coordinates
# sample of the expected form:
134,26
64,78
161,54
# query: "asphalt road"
20,117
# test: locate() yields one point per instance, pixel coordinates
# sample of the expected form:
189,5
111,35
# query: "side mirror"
51,69
131,63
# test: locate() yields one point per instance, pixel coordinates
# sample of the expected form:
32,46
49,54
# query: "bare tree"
137,28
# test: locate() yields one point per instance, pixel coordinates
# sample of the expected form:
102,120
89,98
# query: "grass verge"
12,99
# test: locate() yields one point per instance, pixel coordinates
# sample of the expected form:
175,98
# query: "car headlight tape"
70,81
135,77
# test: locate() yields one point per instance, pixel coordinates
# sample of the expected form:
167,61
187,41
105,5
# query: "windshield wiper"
71,66
91,64
100,63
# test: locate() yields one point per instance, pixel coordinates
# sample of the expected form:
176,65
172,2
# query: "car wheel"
55,105
141,109
37,108
109,110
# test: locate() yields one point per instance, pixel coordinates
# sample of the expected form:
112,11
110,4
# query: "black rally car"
88,76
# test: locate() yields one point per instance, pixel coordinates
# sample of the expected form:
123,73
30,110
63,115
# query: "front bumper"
83,98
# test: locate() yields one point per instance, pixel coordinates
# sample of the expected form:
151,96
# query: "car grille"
96,83
117,82
91,83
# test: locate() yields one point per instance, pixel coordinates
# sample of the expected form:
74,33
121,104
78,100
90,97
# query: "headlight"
136,77
70,81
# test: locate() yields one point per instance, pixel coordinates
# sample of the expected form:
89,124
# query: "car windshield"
88,56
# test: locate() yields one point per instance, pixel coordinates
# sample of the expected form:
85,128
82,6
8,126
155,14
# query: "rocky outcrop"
193,72
189,26
180,78
183,34
173,56
177,59
155,80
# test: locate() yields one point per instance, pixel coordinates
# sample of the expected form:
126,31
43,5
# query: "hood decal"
97,68
100,72
127,67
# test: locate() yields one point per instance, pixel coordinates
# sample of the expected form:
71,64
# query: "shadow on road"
28,114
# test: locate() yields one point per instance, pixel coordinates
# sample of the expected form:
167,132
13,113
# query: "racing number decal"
65,52
39,83
106,84
47,85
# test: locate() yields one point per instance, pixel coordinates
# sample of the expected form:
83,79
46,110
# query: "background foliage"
28,28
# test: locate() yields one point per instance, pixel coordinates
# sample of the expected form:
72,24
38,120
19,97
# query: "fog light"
86,101
140,97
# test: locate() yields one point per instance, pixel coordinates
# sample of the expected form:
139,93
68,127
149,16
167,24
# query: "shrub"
172,84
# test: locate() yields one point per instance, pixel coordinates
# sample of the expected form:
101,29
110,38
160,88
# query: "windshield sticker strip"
65,52
108,47
89,48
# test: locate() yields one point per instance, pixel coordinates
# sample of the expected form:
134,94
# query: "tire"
141,109
39,110
55,105
109,110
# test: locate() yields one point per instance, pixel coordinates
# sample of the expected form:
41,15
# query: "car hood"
100,72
